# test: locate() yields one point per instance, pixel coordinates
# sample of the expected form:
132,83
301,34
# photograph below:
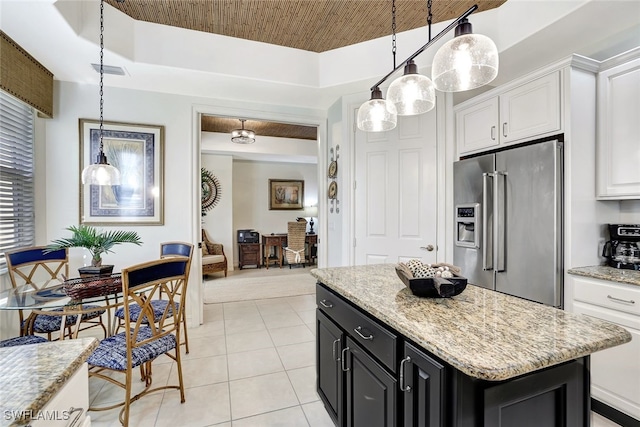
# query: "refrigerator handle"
499,210
487,246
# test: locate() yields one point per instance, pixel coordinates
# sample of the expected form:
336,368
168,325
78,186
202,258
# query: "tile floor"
251,363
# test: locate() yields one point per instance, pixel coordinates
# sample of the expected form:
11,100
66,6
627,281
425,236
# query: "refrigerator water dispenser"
468,225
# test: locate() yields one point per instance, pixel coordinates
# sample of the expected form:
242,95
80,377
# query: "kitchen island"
387,357
42,384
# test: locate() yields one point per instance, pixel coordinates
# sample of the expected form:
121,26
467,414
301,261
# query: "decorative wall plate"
333,190
333,169
211,191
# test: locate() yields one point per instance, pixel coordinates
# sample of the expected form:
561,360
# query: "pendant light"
413,93
101,172
466,62
243,136
379,114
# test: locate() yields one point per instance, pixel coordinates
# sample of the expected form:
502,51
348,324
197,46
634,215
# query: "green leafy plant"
96,242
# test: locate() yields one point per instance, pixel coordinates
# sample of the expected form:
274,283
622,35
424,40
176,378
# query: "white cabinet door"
615,372
531,109
477,126
618,161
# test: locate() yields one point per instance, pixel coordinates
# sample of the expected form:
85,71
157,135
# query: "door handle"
345,368
499,217
358,331
333,348
487,252
401,382
428,247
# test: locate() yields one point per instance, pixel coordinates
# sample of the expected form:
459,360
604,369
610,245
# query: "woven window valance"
24,77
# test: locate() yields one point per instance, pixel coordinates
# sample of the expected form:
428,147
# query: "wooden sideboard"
277,241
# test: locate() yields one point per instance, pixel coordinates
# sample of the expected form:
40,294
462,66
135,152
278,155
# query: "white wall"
251,196
218,222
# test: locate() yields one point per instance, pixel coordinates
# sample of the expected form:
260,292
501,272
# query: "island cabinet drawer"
381,342
617,296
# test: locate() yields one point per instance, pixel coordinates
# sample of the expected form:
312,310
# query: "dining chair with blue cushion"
167,249
143,341
22,340
36,269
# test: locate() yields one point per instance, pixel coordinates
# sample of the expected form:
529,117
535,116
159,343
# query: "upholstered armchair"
213,258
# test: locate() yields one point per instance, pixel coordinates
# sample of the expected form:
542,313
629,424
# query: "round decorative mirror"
211,191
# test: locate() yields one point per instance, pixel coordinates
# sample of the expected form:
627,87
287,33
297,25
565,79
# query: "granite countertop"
604,272
483,333
30,375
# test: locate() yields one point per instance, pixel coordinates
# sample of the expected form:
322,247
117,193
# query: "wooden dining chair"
295,249
143,341
34,269
167,249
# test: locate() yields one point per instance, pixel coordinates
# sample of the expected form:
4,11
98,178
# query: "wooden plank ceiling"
313,25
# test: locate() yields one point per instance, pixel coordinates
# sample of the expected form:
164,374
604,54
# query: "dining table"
76,296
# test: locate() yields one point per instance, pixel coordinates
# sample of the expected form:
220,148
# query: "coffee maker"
623,248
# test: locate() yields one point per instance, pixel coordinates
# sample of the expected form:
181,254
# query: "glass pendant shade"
377,114
243,136
412,93
466,62
100,173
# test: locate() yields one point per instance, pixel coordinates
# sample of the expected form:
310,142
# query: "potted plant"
97,243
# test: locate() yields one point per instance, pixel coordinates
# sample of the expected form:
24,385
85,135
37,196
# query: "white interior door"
396,192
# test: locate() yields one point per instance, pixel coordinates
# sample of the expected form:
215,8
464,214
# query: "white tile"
143,413
282,319
273,306
317,415
256,362
297,355
291,335
304,383
111,393
210,329
248,341
238,326
257,395
303,302
205,347
308,316
290,417
203,406
203,371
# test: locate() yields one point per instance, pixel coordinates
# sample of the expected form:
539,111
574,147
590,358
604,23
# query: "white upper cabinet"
618,137
527,111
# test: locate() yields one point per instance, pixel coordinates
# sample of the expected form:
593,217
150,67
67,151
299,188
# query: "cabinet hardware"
626,301
326,304
345,368
402,386
333,347
493,132
358,331
504,129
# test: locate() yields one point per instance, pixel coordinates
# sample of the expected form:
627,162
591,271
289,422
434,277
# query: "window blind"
17,219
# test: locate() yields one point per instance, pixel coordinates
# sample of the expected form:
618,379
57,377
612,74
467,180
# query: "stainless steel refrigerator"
508,221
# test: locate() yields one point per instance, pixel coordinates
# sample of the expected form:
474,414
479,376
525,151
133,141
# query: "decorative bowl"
433,287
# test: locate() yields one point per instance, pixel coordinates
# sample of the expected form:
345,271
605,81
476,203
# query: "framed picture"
137,152
286,194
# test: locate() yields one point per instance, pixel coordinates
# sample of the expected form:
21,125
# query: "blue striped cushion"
112,352
134,310
27,339
46,323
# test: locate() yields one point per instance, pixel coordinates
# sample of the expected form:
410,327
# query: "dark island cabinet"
370,375
330,340
371,392
422,381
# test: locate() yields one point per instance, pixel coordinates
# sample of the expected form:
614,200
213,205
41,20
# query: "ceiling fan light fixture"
243,136
412,93
377,114
466,62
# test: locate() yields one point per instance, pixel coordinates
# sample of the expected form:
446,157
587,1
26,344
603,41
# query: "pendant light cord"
101,70
429,16
393,31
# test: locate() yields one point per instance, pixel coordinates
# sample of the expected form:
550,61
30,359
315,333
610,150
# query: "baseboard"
613,414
